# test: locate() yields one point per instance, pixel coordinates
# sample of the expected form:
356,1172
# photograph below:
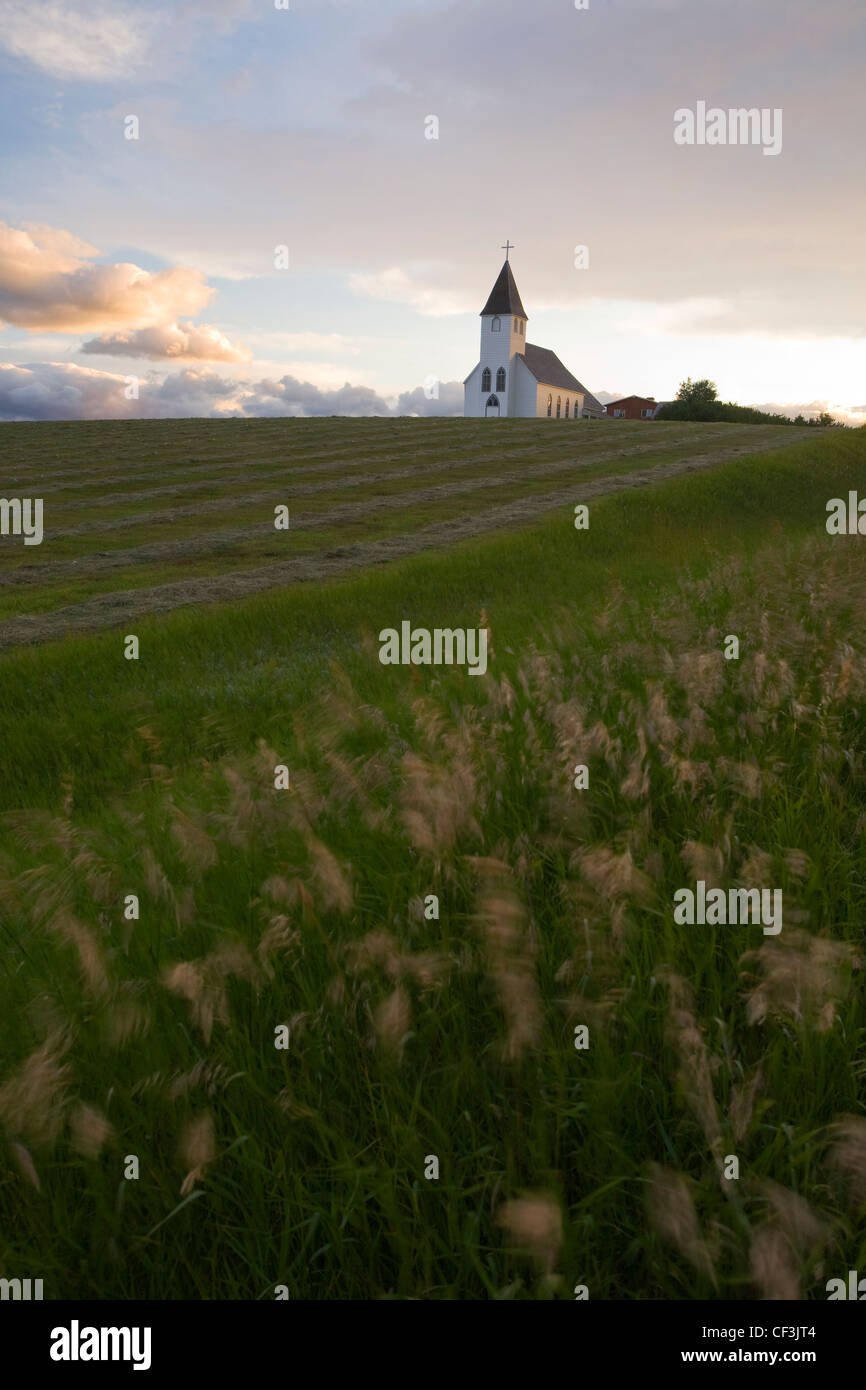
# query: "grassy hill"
412,1037
147,516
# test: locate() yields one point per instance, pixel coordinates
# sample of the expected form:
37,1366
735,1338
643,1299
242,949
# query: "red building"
634,408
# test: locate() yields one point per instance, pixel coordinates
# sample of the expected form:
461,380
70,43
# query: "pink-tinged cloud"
172,341
48,281
64,391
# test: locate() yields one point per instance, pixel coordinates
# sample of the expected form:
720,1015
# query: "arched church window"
496,325
558,407
549,406
485,379
566,407
500,379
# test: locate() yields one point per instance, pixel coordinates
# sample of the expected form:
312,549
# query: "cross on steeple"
507,247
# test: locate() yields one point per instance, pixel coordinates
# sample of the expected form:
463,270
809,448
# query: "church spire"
504,297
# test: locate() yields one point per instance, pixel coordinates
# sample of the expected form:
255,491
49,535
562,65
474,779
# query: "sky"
310,213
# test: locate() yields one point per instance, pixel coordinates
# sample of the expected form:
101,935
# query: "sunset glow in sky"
261,127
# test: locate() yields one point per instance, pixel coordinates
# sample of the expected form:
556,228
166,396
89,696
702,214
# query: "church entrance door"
492,406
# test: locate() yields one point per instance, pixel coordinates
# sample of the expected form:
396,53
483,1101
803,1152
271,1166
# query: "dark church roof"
547,368
504,297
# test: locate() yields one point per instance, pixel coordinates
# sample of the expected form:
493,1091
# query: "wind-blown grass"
412,1036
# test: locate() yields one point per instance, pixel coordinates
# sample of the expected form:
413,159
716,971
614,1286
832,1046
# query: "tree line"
699,400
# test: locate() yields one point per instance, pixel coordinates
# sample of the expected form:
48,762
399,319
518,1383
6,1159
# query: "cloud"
281,340
289,396
448,402
98,41
172,340
810,410
709,218
47,282
395,285
59,391
63,391
107,41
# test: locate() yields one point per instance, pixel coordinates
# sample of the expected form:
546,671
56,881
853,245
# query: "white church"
515,378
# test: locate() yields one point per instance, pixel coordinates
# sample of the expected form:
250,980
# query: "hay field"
143,517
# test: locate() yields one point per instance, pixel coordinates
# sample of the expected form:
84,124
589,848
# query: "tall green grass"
411,1036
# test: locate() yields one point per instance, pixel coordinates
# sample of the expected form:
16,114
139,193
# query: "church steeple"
504,298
